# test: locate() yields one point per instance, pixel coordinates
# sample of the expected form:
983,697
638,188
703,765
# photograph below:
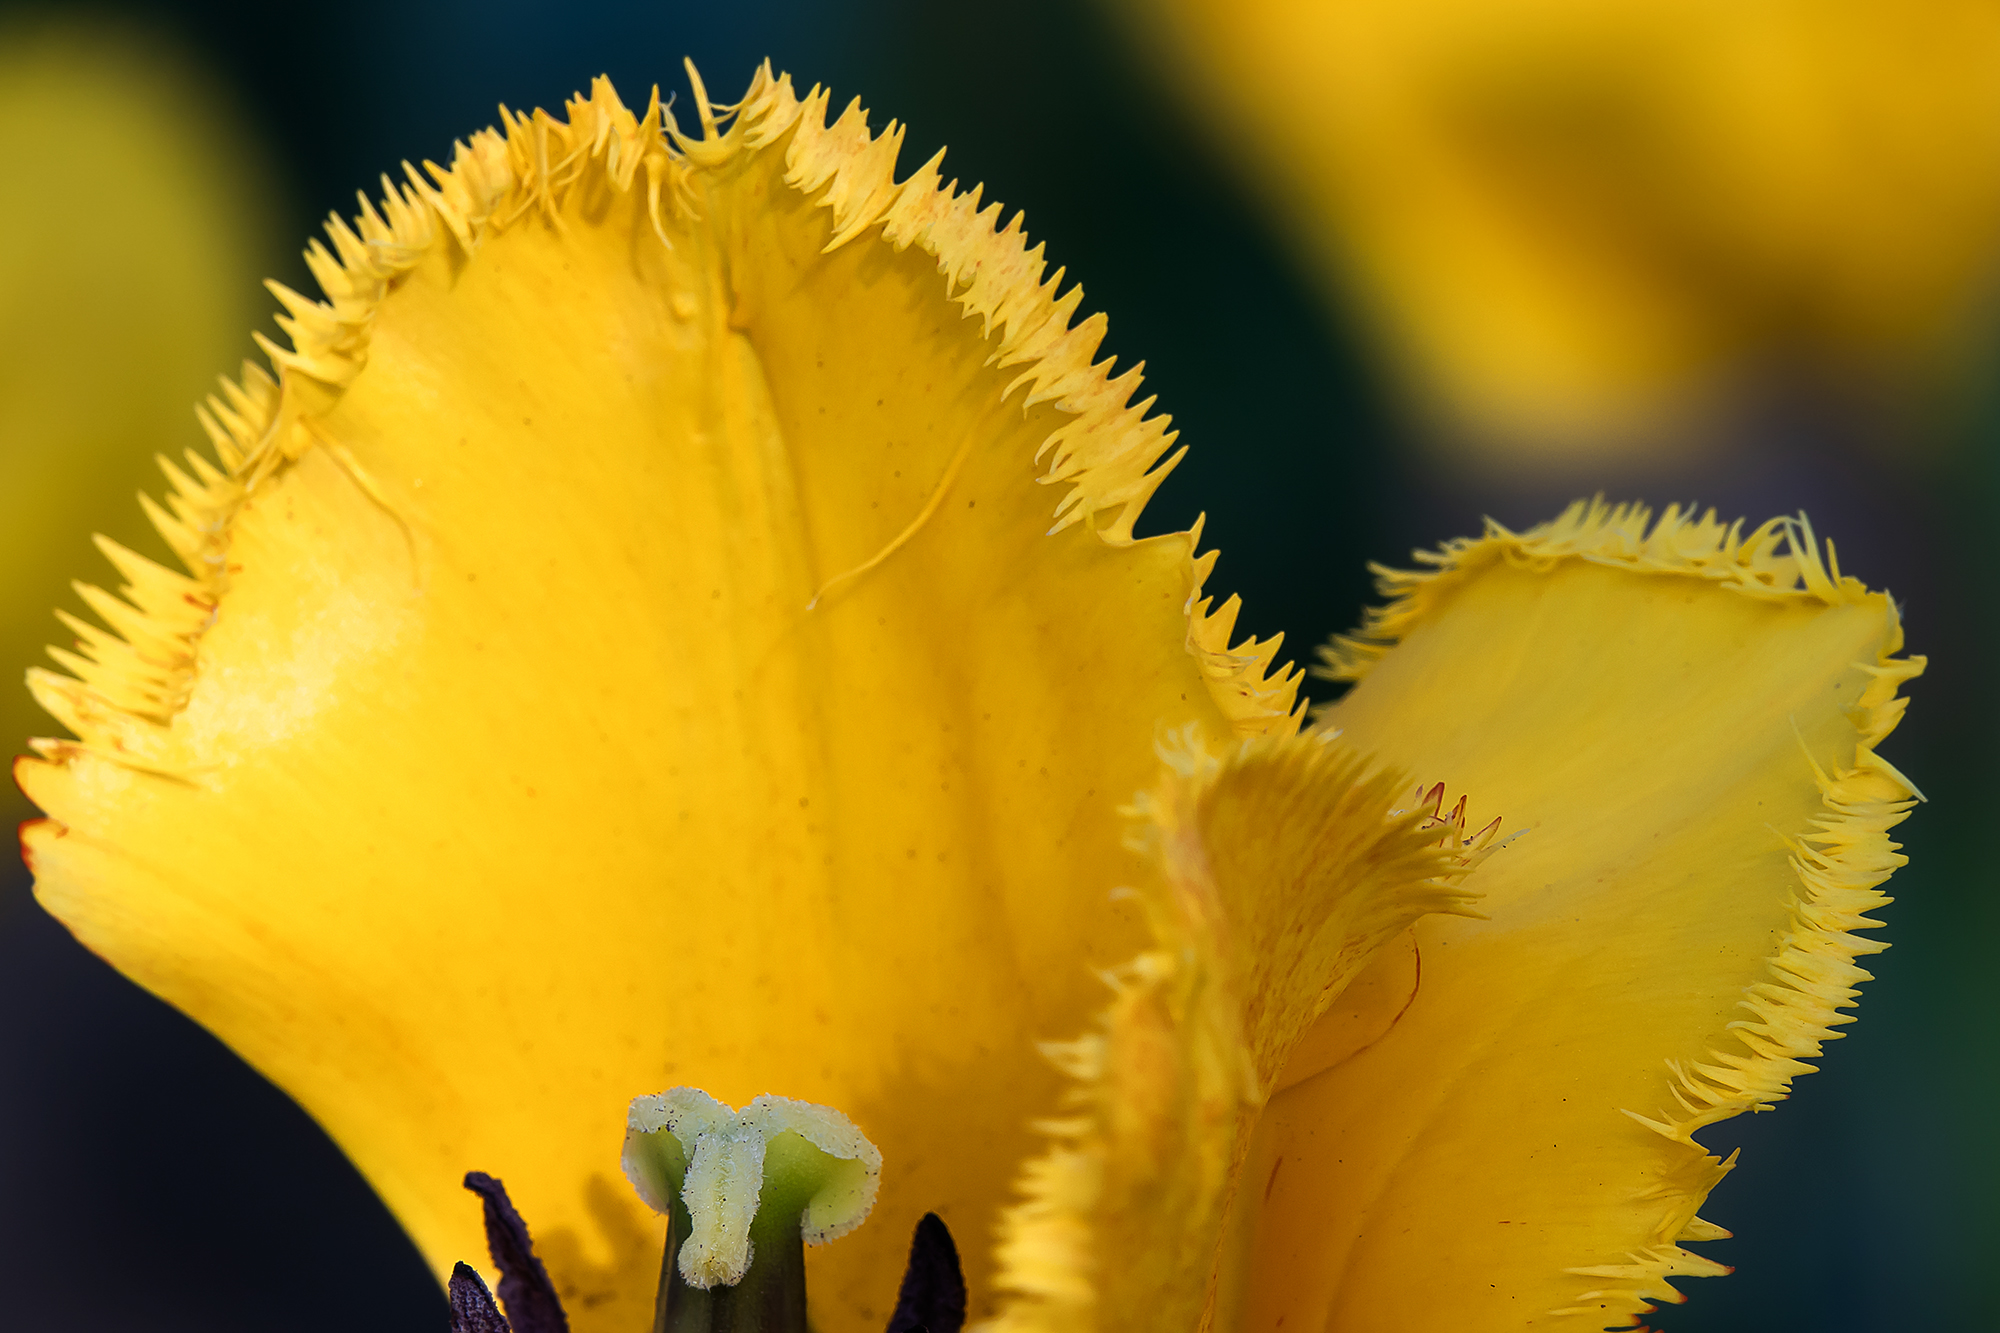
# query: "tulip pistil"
744,1193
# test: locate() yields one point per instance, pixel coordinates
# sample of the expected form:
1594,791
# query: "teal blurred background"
149,1182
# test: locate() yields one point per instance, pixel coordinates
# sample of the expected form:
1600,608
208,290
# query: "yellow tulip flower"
1581,224
673,620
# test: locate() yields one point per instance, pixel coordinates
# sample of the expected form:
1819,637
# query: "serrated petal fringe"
125,686
1283,864
1777,559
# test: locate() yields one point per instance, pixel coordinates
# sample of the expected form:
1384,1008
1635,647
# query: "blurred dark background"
149,1182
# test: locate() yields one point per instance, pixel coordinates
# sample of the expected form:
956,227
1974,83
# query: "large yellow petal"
1678,729
1575,218
627,646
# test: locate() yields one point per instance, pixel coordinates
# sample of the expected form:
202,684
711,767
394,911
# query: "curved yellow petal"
1284,865
626,646
1678,728
1576,219
136,225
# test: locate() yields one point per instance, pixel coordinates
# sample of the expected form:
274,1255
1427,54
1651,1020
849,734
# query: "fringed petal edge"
1162,1095
1778,559
1841,862
125,687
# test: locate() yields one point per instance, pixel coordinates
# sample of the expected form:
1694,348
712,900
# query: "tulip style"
673,618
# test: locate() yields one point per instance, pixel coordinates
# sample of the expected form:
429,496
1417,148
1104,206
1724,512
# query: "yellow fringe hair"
126,685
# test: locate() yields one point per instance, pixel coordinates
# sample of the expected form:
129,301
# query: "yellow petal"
631,648
1575,219
1678,729
1285,867
135,228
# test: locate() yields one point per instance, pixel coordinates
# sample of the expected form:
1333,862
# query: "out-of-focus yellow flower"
674,619
133,231
1579,223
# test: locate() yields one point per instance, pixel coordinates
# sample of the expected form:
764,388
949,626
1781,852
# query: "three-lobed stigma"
774,1168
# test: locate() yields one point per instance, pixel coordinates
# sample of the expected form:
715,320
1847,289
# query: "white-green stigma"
739,1174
